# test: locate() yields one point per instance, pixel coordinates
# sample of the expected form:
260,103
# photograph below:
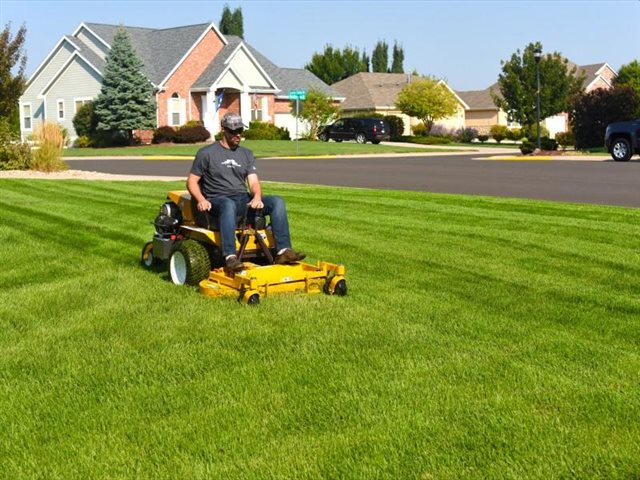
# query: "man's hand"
204,205
256,203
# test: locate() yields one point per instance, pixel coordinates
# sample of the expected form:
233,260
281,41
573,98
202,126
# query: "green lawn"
481,338
260,148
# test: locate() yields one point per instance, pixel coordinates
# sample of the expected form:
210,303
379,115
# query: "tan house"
368,92
482,112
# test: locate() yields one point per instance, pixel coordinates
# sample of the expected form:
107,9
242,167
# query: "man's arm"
256,191
193,186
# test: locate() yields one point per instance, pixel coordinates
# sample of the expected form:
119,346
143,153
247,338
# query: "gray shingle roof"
480,99
159,49
87,53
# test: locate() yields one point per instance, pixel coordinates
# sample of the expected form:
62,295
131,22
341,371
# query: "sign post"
297,95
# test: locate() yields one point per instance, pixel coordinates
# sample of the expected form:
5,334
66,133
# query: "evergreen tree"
12,86
398,59
226,21
380,57
231,23
126,98
365,61
238,24
334,65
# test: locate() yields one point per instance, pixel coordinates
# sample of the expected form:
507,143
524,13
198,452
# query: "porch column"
245,107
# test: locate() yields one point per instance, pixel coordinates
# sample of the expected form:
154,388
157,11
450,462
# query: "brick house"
198,74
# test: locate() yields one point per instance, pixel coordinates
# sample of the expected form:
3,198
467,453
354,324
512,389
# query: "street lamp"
537,53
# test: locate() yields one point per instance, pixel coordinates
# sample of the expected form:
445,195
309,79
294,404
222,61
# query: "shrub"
515,134
428,140
85,122
266,131
14,155
565,139
531,133
483,138
83,141
548,144
527,147
195,134
163,134
466,135
396,127
441,131
47,157
419,130
499,132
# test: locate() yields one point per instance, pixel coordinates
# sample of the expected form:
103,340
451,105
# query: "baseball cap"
232,121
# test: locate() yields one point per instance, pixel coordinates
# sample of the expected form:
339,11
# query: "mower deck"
260,281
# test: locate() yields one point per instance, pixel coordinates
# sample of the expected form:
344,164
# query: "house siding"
181,80
30,95
78,80
93,43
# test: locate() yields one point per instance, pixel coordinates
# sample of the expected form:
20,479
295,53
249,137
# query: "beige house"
482,112
368,92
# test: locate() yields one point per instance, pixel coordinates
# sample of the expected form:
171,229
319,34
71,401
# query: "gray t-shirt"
223,171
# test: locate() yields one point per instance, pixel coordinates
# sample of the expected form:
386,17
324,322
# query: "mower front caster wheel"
147,259
250,297
336,286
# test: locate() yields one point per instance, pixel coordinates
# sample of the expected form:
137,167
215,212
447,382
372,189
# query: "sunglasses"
237,131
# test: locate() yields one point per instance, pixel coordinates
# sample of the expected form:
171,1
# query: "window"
60,110
79,102
26,116
176,110
256,110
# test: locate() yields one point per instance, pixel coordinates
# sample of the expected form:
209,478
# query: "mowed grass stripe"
481,337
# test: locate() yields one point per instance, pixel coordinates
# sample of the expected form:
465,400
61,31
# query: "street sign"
297,94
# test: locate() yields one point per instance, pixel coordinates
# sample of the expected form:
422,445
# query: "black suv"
622,139
362,130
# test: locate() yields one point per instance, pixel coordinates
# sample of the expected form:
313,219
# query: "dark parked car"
362,130
622,139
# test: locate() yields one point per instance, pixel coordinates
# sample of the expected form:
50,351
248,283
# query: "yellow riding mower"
190,242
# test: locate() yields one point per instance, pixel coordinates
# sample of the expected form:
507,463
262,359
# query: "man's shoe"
289,256
232,264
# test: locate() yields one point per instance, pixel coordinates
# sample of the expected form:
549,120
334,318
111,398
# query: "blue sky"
460,41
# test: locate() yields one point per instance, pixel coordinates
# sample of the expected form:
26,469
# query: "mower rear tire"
147,259
189,263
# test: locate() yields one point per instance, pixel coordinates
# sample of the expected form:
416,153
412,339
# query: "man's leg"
274,207
226,211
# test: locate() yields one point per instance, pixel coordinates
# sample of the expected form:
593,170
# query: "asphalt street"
581,181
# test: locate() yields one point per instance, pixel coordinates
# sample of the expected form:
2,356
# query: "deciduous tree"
427,99
591,112
629,76
517,85
317,110
12,83
126,98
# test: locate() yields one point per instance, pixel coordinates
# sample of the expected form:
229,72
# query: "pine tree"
380,57
398,59
238,26
126,98
231,23
226,21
